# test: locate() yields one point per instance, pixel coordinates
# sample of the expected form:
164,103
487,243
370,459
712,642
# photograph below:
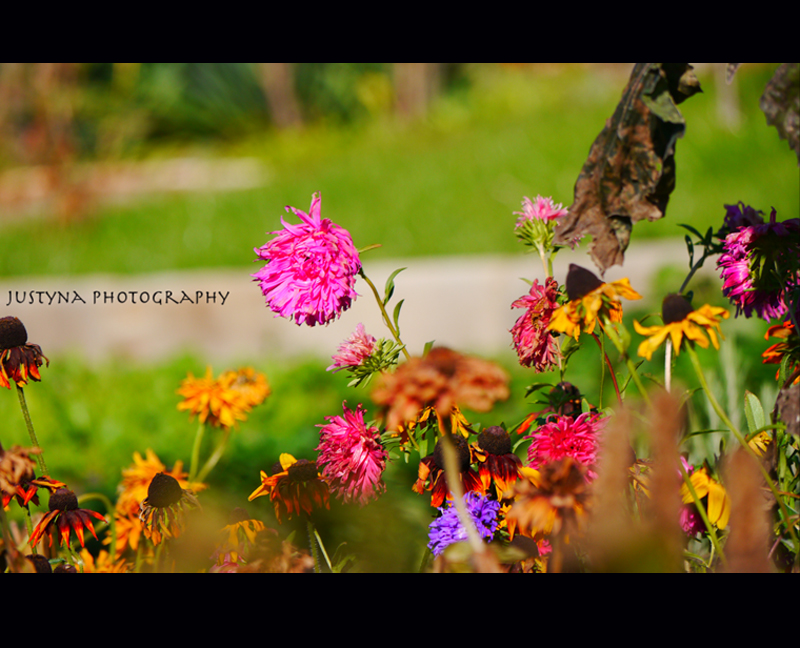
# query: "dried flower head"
443,379
311,268
162,511
19,361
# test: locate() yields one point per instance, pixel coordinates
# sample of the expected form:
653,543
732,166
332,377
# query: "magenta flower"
354,350
311,268
565,436
351,459
534,344
543,209
758,264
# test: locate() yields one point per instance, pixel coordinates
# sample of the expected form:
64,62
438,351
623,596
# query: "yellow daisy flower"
681,321
718,507
590,300
213,401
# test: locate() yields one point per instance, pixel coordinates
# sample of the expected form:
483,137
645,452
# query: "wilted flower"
162,511
551,500
590,301
681,321
16,467
311,268
294,486
565,436
67,517
535,345
443,379
351,457
447,529
431,472
19,361
788,348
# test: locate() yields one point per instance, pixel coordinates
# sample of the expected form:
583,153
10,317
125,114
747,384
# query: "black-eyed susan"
242,530
680,321
788,349
162,511
431,472
65,517
718,502
295,485
497,464
19,361
590,301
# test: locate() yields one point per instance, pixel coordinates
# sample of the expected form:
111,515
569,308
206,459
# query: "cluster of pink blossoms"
311,268
354,350
352,459
756,262
567,436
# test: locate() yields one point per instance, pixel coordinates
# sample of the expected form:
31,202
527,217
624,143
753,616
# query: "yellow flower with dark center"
681,321
496,462
294,486
718,507
19,361
242,529
590,300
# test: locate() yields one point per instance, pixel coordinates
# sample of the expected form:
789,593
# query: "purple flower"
447,529
311,268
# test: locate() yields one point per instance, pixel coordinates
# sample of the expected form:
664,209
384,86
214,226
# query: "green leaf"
396,316
428,346
754,412
389,289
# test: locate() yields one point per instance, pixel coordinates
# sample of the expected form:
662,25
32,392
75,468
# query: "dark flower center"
238,515
462,452
63,500
495,440
164,491
675,308
12,333
303,471
580,282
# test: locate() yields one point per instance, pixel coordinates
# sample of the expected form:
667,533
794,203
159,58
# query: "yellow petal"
719,505
287,460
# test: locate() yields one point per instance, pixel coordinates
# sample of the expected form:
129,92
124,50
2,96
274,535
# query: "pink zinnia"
311,268
534,344
565,436
351,459
354,350
543,209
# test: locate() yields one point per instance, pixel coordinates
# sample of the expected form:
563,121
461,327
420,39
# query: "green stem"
198,440
724,417
109,514
611,371
215,457
315,544
31,432
611,332
386,319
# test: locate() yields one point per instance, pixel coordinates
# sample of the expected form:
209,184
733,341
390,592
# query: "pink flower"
543,209
351,459
311,268
534,344
757,263
354,350
565,436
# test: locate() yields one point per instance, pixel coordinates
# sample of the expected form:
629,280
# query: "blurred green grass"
446,184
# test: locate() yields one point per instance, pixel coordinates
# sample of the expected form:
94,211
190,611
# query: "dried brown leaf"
781,104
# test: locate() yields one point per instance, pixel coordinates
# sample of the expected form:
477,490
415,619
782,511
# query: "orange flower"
67,517
19,361
294,486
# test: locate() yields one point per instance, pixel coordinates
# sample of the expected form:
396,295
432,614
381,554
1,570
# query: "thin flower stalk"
31,432
742,440
386,319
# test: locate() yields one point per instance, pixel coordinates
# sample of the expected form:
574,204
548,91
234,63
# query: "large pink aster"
756,265
311,268
351,457
535,345
565,436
